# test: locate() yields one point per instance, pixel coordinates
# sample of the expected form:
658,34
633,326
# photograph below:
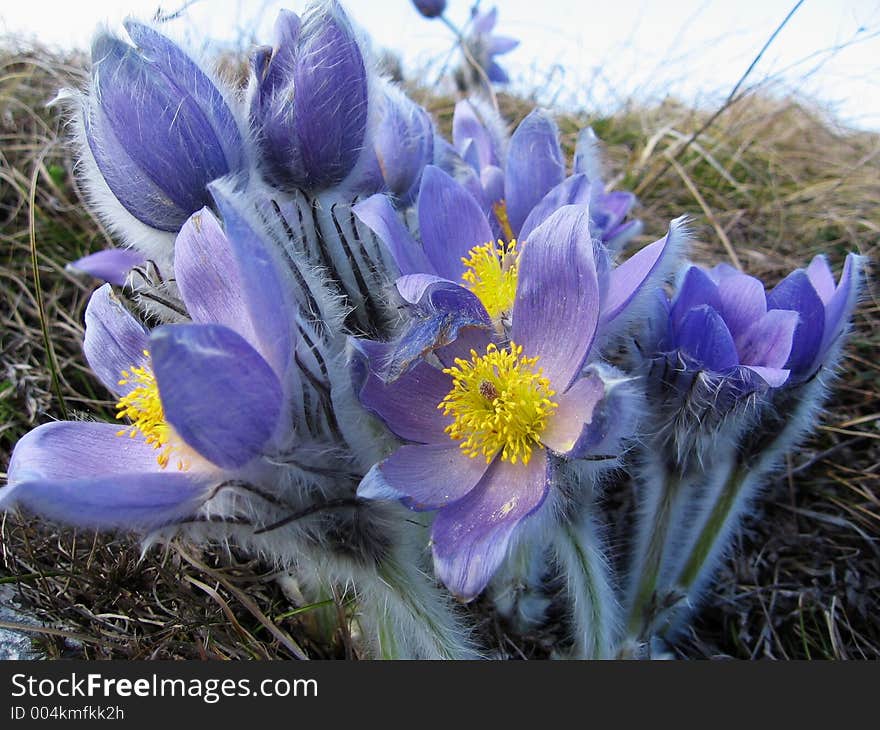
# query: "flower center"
143,406
498,402
491,273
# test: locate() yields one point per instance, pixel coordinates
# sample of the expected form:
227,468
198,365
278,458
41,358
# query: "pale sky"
587,53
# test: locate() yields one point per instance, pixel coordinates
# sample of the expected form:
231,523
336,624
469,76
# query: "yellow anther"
491,273
499,402
143,407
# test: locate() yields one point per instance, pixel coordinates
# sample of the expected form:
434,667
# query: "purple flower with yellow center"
159,128
204,401
309,99
724,322
469,264
510,180
482,428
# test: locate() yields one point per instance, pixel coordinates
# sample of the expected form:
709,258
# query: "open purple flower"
309,99
484,45
204,401
462,249
482,427
158,127
722,321
511,180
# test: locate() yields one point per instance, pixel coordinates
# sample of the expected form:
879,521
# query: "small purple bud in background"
158,127
430,8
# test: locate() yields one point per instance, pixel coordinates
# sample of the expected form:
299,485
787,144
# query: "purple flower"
158,127
530,172
430,8
722,321
204,400
484,45
482,427
461,248
309,99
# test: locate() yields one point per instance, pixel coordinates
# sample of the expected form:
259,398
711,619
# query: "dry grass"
769,184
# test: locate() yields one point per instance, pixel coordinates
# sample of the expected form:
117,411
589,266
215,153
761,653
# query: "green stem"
594,627
639,621
709,534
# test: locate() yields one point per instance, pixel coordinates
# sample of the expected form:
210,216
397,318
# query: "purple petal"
484,22
839,308
696,289
628,279
556,309
408,406
403,143
470,536
570,425
501,44
83,474
466,125
192,81
114,341
497,74
574,190
451,222
425,476
796,292
743,302
269,303
379,216
704,339
442,309
721,271
217,392
492,180
467,339
773,377
207,275
133,188
534,165
618,237
111,265
767,342
821,278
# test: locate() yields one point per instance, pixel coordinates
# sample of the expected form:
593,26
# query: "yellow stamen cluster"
143,406
499,402
491,273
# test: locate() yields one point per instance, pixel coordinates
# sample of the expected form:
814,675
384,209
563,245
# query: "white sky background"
593,54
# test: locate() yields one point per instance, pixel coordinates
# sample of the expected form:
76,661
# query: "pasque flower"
510,393
309,99
484,45
458,244
724,322
203,400
512,178
158,127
